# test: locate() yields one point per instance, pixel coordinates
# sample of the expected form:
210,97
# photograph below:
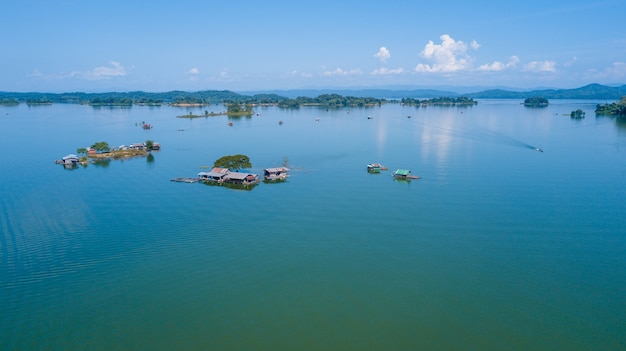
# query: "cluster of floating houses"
219,175
402,174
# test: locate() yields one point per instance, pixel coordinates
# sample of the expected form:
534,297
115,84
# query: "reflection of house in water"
277,173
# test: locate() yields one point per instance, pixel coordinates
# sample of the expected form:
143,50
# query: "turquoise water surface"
496,247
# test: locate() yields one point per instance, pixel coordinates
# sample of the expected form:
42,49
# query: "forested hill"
591,91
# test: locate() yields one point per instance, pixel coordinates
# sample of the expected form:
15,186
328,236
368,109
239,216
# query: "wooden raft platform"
185,180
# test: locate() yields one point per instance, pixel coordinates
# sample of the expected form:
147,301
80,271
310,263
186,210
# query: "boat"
538,149
404,174
375,168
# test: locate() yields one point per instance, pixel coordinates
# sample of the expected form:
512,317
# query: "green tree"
101,146
578,114
234,162
233,108
81,151
149,144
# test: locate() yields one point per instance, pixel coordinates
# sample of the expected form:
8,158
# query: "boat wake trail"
484,135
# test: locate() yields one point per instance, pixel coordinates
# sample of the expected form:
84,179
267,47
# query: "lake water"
497,247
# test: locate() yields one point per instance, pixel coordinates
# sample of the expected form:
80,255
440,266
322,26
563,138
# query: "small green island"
9,102
442,101
232,110
536,101
577,114
101,151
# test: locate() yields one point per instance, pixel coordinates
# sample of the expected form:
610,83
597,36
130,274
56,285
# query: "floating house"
70,160
137,146
404,174
375,168
277,173
241,178
217,174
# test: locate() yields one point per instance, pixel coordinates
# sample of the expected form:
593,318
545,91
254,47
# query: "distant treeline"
442,101
331,100
123,99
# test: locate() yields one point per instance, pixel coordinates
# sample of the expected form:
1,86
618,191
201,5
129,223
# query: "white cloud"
296,73
36,73
449,56
540,66
194,71
341,72
386,71
115,69
497,66
618,69
570,62
383,54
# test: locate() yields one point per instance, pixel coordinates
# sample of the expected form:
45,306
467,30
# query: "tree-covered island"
442,101
331,101
536,101
102,150
232,110
613,109
9,102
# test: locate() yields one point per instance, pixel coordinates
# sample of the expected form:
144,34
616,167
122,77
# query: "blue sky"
96,46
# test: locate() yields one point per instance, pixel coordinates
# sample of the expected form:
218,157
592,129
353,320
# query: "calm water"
497,247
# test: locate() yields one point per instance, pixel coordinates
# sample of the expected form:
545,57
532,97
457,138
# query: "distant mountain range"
591,91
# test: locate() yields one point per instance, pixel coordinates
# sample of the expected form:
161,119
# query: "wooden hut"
276,173
241,178
216,174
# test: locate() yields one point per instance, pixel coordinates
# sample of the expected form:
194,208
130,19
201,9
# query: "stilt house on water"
277,173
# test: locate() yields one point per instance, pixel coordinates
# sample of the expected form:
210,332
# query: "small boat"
538,149
404,174
146,126
375,168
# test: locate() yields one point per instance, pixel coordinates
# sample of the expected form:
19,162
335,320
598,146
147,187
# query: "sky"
194,45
